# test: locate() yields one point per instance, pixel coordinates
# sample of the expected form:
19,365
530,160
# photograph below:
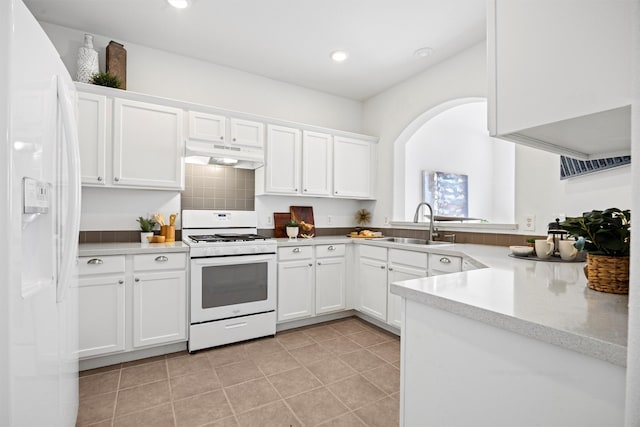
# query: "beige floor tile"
385,377
316,406
143,374
159,416
321,333
294,339
189,364
99,383
348,326
331,370
383,413
275,363
251,394
96,408
356,392
368,338
105,423
225,422
347,420
310,353
201,409
340,345
275,414
238,372
362,360
293,382
226,355
143,361
263,346
389,351
190,385
396,364
142,397
176,354
102,370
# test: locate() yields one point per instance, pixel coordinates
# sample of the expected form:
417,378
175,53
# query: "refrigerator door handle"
71,225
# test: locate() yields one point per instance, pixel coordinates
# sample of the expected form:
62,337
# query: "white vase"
292,232
87,60
144,236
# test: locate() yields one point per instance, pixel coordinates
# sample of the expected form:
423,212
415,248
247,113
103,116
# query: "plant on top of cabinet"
104,78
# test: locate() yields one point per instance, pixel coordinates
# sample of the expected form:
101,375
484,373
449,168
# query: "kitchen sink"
410,241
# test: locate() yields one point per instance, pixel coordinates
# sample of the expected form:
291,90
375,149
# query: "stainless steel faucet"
415,217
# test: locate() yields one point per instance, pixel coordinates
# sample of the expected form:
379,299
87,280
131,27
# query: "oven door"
232,286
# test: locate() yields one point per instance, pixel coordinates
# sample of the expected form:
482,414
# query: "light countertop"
548,301
103,249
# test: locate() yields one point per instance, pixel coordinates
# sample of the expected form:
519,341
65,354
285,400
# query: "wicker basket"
608,274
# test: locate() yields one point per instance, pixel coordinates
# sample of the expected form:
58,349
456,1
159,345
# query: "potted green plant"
531,242
104,78
606,240
292,229
146,227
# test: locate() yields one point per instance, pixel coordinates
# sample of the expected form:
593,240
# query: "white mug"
568,252
544,248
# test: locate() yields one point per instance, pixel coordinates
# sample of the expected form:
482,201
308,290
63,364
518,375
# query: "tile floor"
340,373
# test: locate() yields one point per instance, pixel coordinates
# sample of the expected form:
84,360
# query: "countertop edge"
104,249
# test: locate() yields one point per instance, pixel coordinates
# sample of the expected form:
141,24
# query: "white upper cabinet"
282,168
92,134
147,145
247,133
229,131
560,74
317,163
353,161
207,127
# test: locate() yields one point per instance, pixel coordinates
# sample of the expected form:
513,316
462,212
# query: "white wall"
538,189
457,141
169,75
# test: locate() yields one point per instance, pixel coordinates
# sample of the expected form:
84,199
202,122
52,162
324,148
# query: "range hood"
200,152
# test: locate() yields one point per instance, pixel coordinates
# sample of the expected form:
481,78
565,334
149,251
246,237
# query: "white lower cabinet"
444,264
372,281
295,289
331,278
403,265
131,301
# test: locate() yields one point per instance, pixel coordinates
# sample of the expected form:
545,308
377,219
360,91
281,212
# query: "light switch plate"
529,222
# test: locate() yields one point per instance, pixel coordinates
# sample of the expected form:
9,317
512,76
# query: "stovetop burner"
226,237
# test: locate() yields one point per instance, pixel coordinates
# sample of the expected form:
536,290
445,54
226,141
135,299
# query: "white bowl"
521,250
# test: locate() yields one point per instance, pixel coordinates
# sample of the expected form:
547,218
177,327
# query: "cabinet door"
295,290
396,274
372,279
282,168
331,278
159,308
444,264
147,145
101,303
92,127
207,127
246,133
317,167
352,168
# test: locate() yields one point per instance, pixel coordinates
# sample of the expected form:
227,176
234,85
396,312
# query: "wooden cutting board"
280,220
303,213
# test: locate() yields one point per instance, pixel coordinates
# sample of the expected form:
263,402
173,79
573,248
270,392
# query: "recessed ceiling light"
339,55
423,52
179,4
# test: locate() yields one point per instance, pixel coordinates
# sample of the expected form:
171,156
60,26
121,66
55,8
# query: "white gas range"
233,278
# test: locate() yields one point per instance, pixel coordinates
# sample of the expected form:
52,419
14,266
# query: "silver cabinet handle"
234,140
162,258
95,261
137,279
305,190
390,268
296,250
445,260
310,265
296,190
382,267
120,282
319,263
221,138
116,179
331,248
99,179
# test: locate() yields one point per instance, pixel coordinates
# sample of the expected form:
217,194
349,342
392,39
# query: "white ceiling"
289,40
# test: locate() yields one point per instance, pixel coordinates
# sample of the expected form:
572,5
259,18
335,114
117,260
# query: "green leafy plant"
292,223
105,79
531,240
605,232
146,224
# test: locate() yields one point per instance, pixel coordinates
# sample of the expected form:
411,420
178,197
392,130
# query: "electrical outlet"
329,219
386,220
529,222
269,220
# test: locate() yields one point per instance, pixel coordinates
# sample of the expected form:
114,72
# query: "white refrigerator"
39,222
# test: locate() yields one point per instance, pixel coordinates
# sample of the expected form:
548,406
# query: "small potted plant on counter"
146,227
606,240
292,229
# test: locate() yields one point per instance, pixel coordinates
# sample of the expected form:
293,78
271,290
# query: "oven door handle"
232,260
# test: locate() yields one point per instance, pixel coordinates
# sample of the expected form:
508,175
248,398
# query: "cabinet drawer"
295,252
374,252
100,264
161,261
324,251
445,263
410,258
